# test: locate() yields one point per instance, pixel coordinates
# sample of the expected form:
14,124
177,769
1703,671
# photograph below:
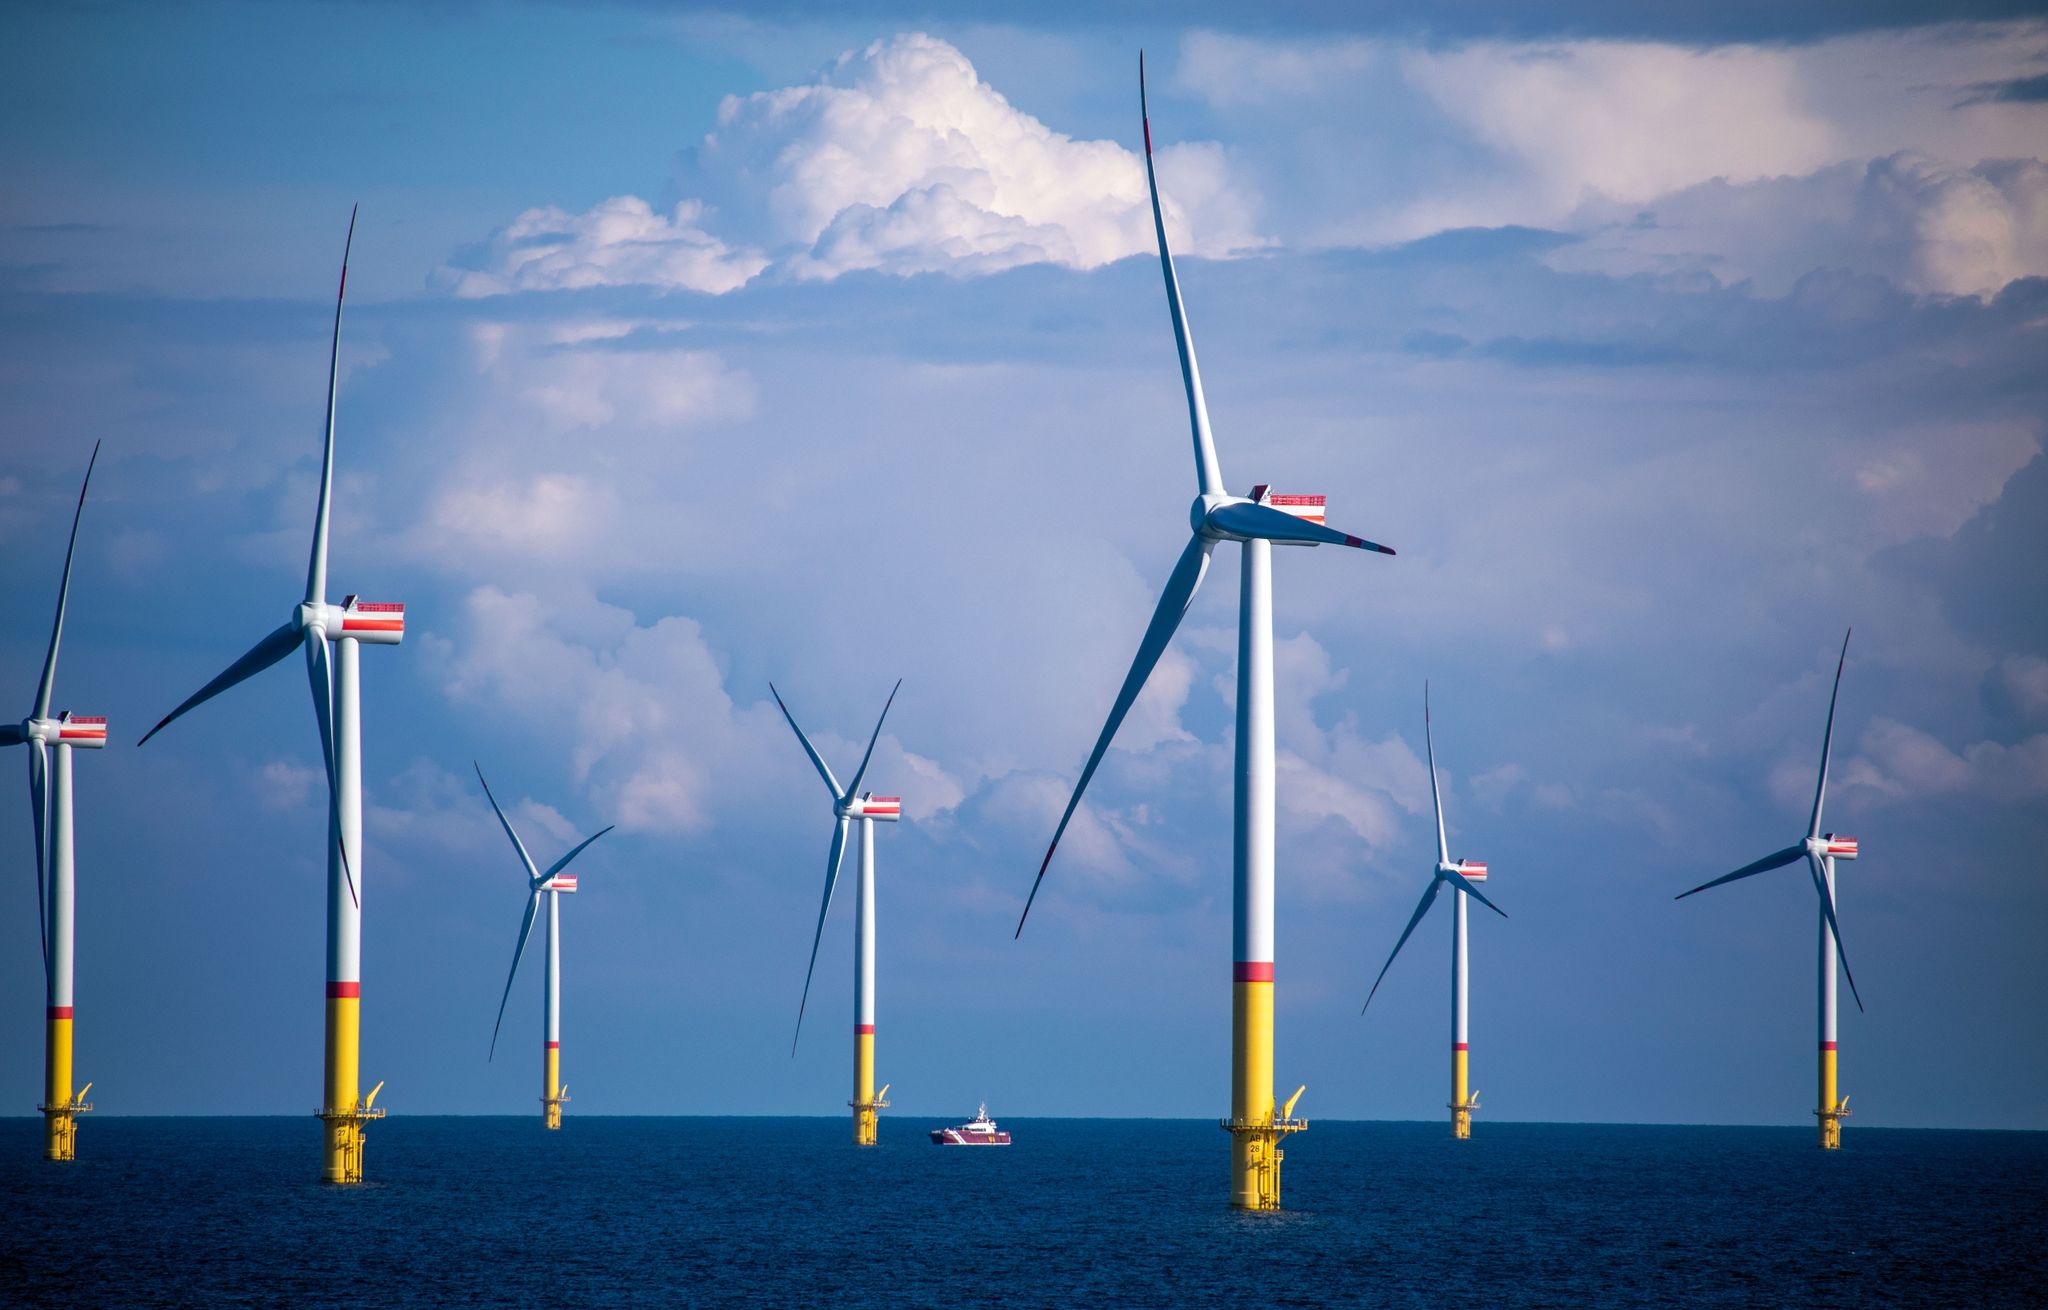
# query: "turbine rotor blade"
854,786
1246,519
832,861
563,863
1443,847
261,656
1827,741
39,811
824,770
532,874
1422,908
1208,474
1776,860
518,953
1180,590
48,684
320,675
1827,907
1464,884
316,565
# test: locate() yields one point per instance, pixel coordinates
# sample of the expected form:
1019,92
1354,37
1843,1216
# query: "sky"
689,349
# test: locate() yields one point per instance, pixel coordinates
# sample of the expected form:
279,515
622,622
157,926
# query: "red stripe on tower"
1252,971
59,1012
337,990
864,1030
1827,1046
554,1046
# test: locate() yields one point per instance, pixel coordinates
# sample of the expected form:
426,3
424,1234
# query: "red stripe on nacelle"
373,625
341,990
1252,971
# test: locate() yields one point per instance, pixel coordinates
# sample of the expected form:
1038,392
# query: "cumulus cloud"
618,242
1899,762
1882,152
1930,226
643,714
547,410
898,158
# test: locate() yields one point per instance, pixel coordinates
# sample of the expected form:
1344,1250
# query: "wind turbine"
1462,877
848,804
1256,522
553,884
49,799
336,683
1820,851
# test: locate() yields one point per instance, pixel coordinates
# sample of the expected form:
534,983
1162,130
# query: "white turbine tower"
552,884
1461,875
848,804
1820,851
337,701
50,739
1255,522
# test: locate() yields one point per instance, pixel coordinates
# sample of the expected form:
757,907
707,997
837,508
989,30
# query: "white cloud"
1899,762
549,412
618,242
898,157
1888,152
1622,120
287,786
2025,678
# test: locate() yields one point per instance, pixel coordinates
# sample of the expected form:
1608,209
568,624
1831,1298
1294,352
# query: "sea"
769,1212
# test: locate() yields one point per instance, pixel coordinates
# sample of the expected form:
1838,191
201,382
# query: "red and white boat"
981,1132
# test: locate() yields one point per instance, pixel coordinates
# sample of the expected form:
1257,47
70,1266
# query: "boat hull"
955,1137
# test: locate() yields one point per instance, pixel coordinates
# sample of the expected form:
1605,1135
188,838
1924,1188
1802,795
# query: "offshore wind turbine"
50,739
848,805
1820,851
336,682
1255,522
1462,876
553,884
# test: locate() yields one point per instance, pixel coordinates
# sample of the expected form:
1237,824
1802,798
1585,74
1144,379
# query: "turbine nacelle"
1471,870
369,622
882,809
1830,846
67,729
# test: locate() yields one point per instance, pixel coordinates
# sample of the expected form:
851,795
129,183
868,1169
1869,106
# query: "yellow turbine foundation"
1833,1108
345,1113
1255,1130
551,1084
866,1105
1463,1103
60,1108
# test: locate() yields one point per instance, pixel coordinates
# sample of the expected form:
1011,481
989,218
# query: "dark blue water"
784,1212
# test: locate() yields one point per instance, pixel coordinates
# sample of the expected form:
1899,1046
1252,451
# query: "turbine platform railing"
1262,1147
1831,1123
61,1133
345,1127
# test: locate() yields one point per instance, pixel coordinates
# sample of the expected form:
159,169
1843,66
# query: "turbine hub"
1204,506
